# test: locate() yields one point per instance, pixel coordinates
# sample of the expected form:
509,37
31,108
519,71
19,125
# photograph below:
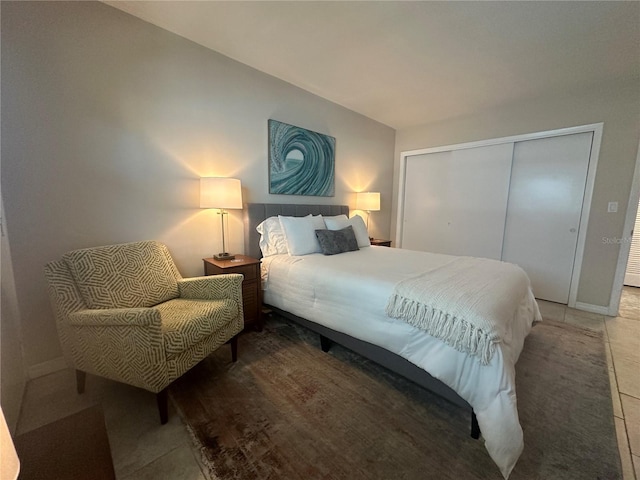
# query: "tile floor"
143,449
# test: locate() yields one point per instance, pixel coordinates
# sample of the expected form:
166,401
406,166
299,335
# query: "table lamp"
224,194
369,202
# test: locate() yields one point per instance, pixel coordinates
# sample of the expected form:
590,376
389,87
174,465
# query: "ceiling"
411,63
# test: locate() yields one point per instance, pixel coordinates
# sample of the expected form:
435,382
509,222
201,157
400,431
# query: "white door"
455,202
548,180
632,275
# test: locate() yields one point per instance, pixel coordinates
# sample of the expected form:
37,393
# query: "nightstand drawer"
249,272
249,292
250,301
251,284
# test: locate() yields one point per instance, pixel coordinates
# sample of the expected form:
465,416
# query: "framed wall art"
301,162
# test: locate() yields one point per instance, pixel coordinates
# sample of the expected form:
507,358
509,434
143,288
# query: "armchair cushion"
185,323
131,275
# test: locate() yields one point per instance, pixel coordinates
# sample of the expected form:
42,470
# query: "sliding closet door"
632,275
545,204
455,202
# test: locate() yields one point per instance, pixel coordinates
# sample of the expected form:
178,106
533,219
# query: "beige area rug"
287,410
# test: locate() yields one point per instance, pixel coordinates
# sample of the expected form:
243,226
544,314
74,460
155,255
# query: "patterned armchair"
124,312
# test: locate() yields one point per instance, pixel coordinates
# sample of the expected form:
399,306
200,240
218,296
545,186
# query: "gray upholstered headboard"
255,213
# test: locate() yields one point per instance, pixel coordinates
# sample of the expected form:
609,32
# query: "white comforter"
349,293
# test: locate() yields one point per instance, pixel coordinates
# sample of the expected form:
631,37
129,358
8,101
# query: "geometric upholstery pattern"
186,323
129,275
147,346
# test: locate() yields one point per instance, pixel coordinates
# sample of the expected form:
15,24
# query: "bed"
345,299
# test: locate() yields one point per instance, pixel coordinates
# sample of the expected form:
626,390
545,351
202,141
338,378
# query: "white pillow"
337,222
359,228
272,241
300,233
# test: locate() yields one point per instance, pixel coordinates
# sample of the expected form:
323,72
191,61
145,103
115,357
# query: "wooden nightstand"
380,243
251,286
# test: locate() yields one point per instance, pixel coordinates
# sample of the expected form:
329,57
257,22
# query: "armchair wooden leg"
234,348
475,428
80,380
162,397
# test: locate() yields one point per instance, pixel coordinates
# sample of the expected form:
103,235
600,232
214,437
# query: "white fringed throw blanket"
467,303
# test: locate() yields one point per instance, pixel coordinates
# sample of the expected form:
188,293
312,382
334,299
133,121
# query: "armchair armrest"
123,344
115,317
214,287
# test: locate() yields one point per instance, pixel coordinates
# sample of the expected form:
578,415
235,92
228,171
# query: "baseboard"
632,279
45,368
587,307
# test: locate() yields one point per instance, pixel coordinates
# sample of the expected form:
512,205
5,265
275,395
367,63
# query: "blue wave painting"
301,162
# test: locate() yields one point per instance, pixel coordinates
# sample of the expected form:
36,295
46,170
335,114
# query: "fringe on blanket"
455,332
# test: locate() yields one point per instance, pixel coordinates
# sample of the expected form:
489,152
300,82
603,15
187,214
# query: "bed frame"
254,213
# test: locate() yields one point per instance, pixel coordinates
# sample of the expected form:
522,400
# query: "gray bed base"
254,213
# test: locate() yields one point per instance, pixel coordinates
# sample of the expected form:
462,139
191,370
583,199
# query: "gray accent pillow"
337,241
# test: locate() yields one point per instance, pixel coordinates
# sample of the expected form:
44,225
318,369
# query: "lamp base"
224,256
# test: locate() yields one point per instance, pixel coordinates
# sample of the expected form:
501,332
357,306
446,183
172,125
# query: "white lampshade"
9,463
220,192
368,201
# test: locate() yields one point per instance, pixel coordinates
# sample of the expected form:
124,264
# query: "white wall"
617,104
107,124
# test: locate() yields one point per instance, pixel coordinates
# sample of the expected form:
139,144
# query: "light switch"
612,207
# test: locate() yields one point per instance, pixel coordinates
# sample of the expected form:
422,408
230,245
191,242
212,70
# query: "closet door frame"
635,276
625,245
596,128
